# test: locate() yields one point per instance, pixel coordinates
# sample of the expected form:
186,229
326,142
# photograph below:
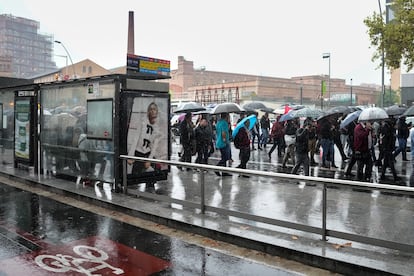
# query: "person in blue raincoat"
223,141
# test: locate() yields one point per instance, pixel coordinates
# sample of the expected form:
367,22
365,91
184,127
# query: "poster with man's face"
148,133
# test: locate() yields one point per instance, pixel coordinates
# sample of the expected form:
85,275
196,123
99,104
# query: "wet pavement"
374,214
41,236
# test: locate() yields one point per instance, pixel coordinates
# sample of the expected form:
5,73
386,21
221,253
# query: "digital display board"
147,65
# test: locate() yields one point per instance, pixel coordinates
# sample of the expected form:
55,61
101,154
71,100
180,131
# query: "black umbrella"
409,112
189,107
395,110
227,108
254,106
338,110
268,110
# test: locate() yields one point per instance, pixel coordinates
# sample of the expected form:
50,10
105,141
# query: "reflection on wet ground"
41,236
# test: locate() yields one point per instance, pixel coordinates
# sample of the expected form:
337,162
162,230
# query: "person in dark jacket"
244,155
387,144
265,126
302,148
203,136
403,132
362,147
351,128
187,137
326,140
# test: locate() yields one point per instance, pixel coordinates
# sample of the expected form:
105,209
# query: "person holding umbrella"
242,139
265,126
302,148
223,142
387,144
403,132
187,138
203,137
362,147
276,134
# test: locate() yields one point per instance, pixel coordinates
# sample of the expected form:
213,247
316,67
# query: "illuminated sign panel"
147,65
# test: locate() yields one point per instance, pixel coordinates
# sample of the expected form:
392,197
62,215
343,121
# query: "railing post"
124,175
202,191
324,207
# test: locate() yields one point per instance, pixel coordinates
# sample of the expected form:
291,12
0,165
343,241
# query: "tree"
391,97
395,39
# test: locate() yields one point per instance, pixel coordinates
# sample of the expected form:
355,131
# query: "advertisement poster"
147,135
99,121
22,129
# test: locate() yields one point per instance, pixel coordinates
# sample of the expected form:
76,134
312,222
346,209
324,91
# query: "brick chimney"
131,47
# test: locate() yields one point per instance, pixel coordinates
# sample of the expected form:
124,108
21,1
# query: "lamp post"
351,94
328,56
301,92
71,61
382,64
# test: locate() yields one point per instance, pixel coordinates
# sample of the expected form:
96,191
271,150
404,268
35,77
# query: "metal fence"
320,182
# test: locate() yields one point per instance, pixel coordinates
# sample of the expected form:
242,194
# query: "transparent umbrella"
372,114
308,112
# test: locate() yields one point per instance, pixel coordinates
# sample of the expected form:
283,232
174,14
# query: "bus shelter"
78,129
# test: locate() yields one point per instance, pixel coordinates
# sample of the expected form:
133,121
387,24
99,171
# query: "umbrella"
308,112
409,112
395,110
326,115
288,116
372,114
350,118
251,118
254,106
189,107
339,109
227,108
206,111
268,110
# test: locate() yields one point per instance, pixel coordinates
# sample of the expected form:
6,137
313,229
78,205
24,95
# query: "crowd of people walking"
298,141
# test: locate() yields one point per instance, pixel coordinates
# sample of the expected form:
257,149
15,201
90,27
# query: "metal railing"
324,231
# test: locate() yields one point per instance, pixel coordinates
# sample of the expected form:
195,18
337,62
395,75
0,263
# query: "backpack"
237,140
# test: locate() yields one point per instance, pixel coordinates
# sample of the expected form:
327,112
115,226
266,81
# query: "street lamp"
351,93
328,56
73,67
301,92
382,64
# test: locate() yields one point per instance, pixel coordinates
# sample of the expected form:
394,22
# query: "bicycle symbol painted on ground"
90,260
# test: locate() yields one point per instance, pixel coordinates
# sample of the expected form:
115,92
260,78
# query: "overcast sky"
261,37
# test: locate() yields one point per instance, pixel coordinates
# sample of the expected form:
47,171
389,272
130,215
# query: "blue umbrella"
288,116
350,118
251,118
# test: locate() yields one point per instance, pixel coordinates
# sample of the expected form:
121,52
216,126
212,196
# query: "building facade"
201,85
24,52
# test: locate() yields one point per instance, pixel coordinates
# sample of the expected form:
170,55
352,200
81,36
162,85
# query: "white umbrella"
227,108
372,114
